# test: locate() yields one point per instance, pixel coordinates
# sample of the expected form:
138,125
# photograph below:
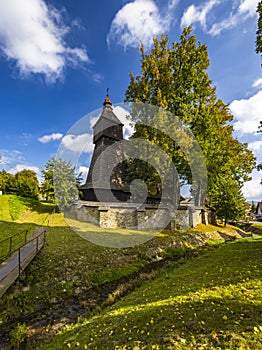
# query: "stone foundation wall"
118,217
110,215
88,214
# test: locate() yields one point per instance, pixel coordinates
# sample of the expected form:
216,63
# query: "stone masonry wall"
108,216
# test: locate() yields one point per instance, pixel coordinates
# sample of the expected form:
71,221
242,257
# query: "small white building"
259,210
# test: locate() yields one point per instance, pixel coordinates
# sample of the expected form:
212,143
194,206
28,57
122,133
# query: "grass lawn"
17,215
8,229
210,302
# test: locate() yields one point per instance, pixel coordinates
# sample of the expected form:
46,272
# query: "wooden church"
106,199
107,131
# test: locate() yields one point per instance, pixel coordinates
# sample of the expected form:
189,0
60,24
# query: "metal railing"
19,260
11,247
39,244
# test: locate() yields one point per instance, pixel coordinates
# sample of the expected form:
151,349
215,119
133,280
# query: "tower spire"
107,101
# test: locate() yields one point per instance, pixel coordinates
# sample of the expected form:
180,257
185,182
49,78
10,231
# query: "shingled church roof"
108,130
104,124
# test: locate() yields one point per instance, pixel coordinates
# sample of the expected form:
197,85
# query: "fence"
21,257
10,244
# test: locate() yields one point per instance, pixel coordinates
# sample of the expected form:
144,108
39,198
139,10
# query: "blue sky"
58,57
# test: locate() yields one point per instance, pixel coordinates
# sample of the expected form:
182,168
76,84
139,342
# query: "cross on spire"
107,101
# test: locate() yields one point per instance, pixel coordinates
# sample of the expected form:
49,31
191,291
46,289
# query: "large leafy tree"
60,183
229,200
27,184
8,184
24,183
175,78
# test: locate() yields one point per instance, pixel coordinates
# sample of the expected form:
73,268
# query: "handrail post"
37,244
10,245
26,232
19,261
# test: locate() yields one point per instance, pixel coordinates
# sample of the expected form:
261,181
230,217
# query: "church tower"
108,130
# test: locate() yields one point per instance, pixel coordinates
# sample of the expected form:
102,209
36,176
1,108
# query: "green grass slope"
4,208
17,215
19,209
213,301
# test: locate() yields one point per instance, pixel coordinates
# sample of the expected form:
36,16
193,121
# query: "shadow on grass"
20,232
214,299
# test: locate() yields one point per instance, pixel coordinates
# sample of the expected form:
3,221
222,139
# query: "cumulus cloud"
255,146
20,167
9,159
32,35
199,13
241,10
140,21
257,83
247,113
245,10
51,137
252,190
78,143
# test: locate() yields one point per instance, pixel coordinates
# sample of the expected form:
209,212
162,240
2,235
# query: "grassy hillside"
19,209
211,302
17,215
4,208
194,303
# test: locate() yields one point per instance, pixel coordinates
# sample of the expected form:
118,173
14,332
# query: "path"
10,269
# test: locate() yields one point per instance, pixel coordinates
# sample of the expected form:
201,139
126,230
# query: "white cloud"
97,77
122,115
255,146
83,170
245,10
140,21
32,35
51,137
78,143
247,113
9,159
257,83
93,120
199,13
248,7
252,190
241,10
20,167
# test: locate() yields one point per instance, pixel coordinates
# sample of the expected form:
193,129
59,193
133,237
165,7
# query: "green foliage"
228,200
175,78
8,183
27,184
24,183
60,184
47,187
18,334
